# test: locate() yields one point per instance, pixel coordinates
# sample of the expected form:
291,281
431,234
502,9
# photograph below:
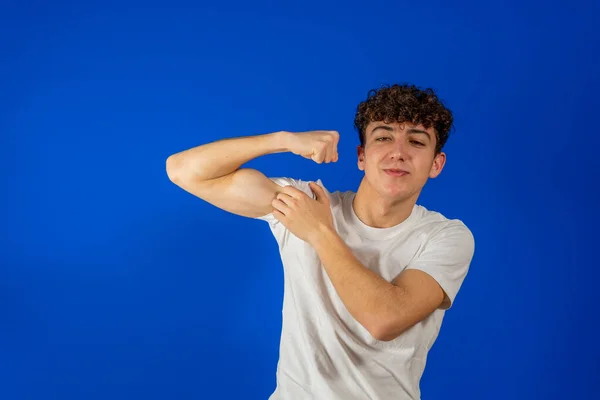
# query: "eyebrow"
410,130
414,130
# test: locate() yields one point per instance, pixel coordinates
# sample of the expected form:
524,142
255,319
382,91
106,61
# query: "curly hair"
405,103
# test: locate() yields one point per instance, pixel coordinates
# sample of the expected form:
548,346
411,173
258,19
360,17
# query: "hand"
304,217
319,146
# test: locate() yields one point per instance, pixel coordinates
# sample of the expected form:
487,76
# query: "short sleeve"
447,257
284,181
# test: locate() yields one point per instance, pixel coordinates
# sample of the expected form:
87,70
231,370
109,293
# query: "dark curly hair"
405,103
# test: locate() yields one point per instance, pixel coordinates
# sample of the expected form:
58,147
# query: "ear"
438,164
360,152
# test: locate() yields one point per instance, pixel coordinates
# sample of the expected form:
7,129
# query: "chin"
399,191
395,193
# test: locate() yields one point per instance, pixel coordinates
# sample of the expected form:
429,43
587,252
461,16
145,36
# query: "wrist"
280,141
322,237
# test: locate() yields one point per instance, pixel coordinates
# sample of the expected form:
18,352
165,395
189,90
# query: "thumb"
319,192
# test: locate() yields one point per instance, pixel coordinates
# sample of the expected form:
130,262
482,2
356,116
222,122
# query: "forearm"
222,157
369,298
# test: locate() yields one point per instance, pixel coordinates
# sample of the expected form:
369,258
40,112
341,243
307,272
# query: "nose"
399,151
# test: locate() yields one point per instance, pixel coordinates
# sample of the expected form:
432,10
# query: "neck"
381,212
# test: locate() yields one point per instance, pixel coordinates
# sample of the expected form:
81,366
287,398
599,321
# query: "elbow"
172,168
384,336
386,332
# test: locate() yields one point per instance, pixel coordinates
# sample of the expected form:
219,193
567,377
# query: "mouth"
395,172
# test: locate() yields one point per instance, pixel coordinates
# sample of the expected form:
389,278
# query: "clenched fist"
319,146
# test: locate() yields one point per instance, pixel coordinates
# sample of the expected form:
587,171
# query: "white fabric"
324,352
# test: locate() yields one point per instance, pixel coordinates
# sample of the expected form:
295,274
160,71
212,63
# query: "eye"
417,143
379,138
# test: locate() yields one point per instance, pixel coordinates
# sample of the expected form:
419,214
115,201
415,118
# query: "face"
405,147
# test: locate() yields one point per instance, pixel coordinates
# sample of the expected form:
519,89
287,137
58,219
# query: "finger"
319,157
332,154
284,198
315,190
336,137
280,206
336,141
279,216
329,153
291,193
332,146
319,192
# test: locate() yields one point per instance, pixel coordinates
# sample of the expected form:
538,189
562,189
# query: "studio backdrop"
117,284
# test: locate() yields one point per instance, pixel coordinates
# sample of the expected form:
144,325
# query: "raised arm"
213,171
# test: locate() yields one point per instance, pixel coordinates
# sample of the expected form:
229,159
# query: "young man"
368,274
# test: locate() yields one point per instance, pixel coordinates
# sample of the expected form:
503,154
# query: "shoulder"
446,249
435,227
297,183
303,185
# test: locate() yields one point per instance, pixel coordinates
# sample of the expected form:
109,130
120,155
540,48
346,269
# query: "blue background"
116,284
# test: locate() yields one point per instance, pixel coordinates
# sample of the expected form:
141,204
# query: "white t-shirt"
324,352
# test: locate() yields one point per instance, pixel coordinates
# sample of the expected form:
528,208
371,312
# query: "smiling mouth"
395,172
